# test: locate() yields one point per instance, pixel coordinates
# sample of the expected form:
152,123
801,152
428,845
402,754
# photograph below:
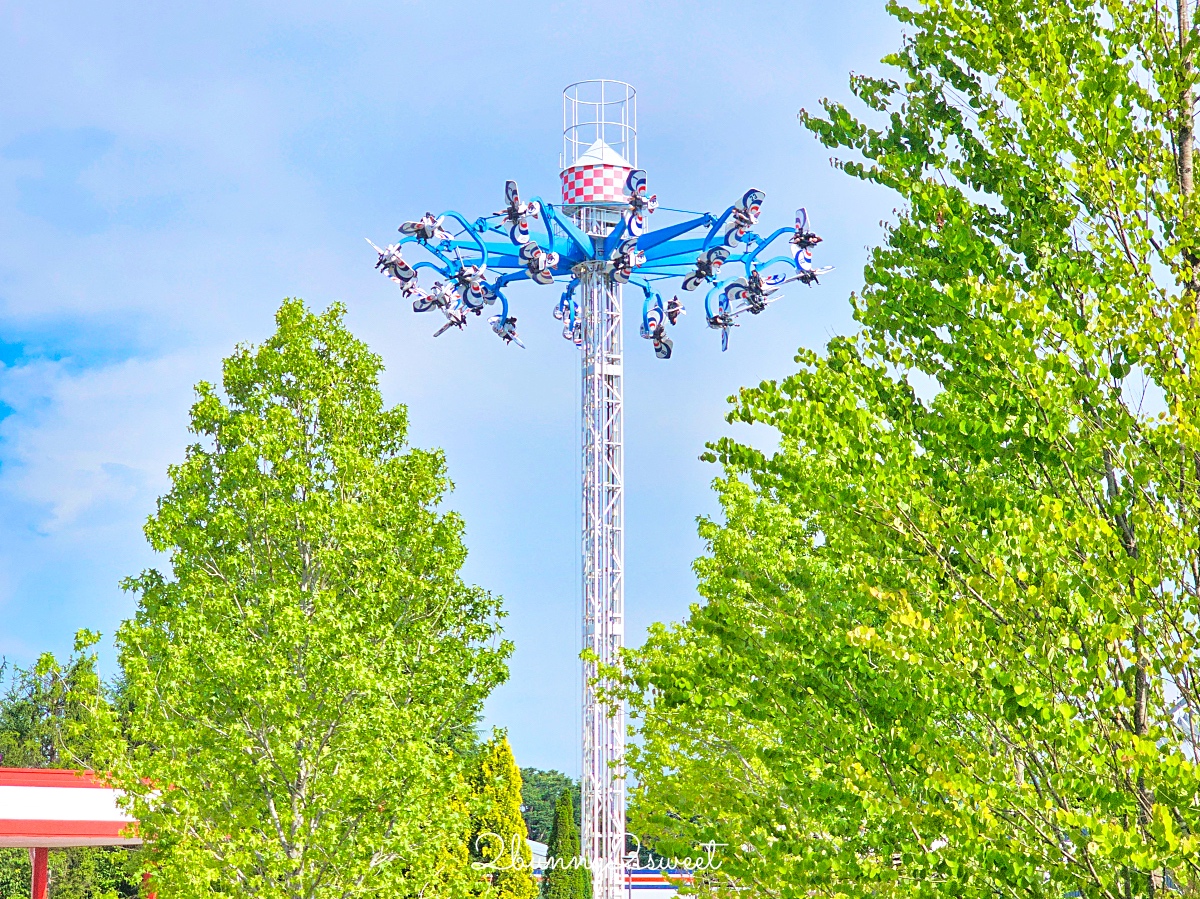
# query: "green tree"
499,841
304,681
540,791
948,645
43,717
565,877
42,706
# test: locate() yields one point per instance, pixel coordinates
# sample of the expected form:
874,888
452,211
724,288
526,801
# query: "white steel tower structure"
599,151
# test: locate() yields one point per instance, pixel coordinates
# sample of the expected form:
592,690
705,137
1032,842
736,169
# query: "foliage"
540,792
499,829
99,872
565,877
42,704
303,681
948,645
43,717
14,873
43,713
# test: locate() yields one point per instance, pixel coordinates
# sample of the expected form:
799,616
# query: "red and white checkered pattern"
594,184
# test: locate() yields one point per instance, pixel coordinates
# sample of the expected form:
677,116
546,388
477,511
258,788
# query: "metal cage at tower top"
599,110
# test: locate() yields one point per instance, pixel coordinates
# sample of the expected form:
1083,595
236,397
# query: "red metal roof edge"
21,827
50,777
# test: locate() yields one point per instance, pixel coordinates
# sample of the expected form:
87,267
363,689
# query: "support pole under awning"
39,881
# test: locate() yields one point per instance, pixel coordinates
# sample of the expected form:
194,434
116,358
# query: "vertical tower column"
599,152
603,575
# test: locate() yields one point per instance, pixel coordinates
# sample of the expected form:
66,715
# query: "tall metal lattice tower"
593,242
599,152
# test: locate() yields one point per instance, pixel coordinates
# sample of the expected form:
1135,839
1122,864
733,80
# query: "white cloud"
83,443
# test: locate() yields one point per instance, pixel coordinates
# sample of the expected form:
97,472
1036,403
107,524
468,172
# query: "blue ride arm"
510,277
643,285
748,258
777,259
474,245
503,260
716,228
503,281
614,237
581,243
650,294
546,219
683,248
470,229
654,238
717,288
677,270
503,304
568,300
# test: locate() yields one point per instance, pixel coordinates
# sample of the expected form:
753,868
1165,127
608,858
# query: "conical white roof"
601,153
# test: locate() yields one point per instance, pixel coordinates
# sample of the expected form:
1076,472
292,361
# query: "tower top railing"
599,110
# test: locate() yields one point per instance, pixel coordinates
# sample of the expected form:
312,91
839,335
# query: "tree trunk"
1186,135
1141,696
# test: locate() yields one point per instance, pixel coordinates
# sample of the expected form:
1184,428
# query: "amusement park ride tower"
594,242
599,153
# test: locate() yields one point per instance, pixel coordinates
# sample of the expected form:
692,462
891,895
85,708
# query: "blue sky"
168,173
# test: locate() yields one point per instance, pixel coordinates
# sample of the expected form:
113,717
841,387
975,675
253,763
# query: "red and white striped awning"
42,807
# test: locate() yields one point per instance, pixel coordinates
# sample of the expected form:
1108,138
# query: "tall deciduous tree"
949,641
565,877
499,841
540,791
303,680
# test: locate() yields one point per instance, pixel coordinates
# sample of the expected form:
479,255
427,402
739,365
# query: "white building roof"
600,153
